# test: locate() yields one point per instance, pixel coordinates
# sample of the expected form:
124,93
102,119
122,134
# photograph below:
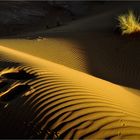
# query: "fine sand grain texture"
58,102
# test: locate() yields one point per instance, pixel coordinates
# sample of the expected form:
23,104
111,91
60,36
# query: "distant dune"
65,103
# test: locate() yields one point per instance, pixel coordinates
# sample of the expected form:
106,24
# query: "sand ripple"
68,104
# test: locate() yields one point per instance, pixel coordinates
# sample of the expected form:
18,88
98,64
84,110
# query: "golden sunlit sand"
66,103
60,51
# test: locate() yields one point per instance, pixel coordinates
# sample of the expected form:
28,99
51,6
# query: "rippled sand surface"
42,98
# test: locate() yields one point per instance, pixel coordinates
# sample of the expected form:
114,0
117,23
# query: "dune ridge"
68,104
60,51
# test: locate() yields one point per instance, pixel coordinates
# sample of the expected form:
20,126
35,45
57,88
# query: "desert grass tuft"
129,23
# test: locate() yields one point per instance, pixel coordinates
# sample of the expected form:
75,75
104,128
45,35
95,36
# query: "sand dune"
92,45
72,84
64,103
61,51
108,56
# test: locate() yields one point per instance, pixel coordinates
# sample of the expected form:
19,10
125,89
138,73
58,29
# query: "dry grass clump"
129,23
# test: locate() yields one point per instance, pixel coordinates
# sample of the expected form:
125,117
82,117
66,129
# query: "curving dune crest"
60,51
67,104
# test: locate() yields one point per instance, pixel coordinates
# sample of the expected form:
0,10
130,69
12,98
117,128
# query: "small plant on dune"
129,23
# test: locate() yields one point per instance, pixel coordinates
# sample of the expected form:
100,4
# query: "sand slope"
58,50
65,103
106,55
92,45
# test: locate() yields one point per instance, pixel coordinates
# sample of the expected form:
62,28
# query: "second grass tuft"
129,23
